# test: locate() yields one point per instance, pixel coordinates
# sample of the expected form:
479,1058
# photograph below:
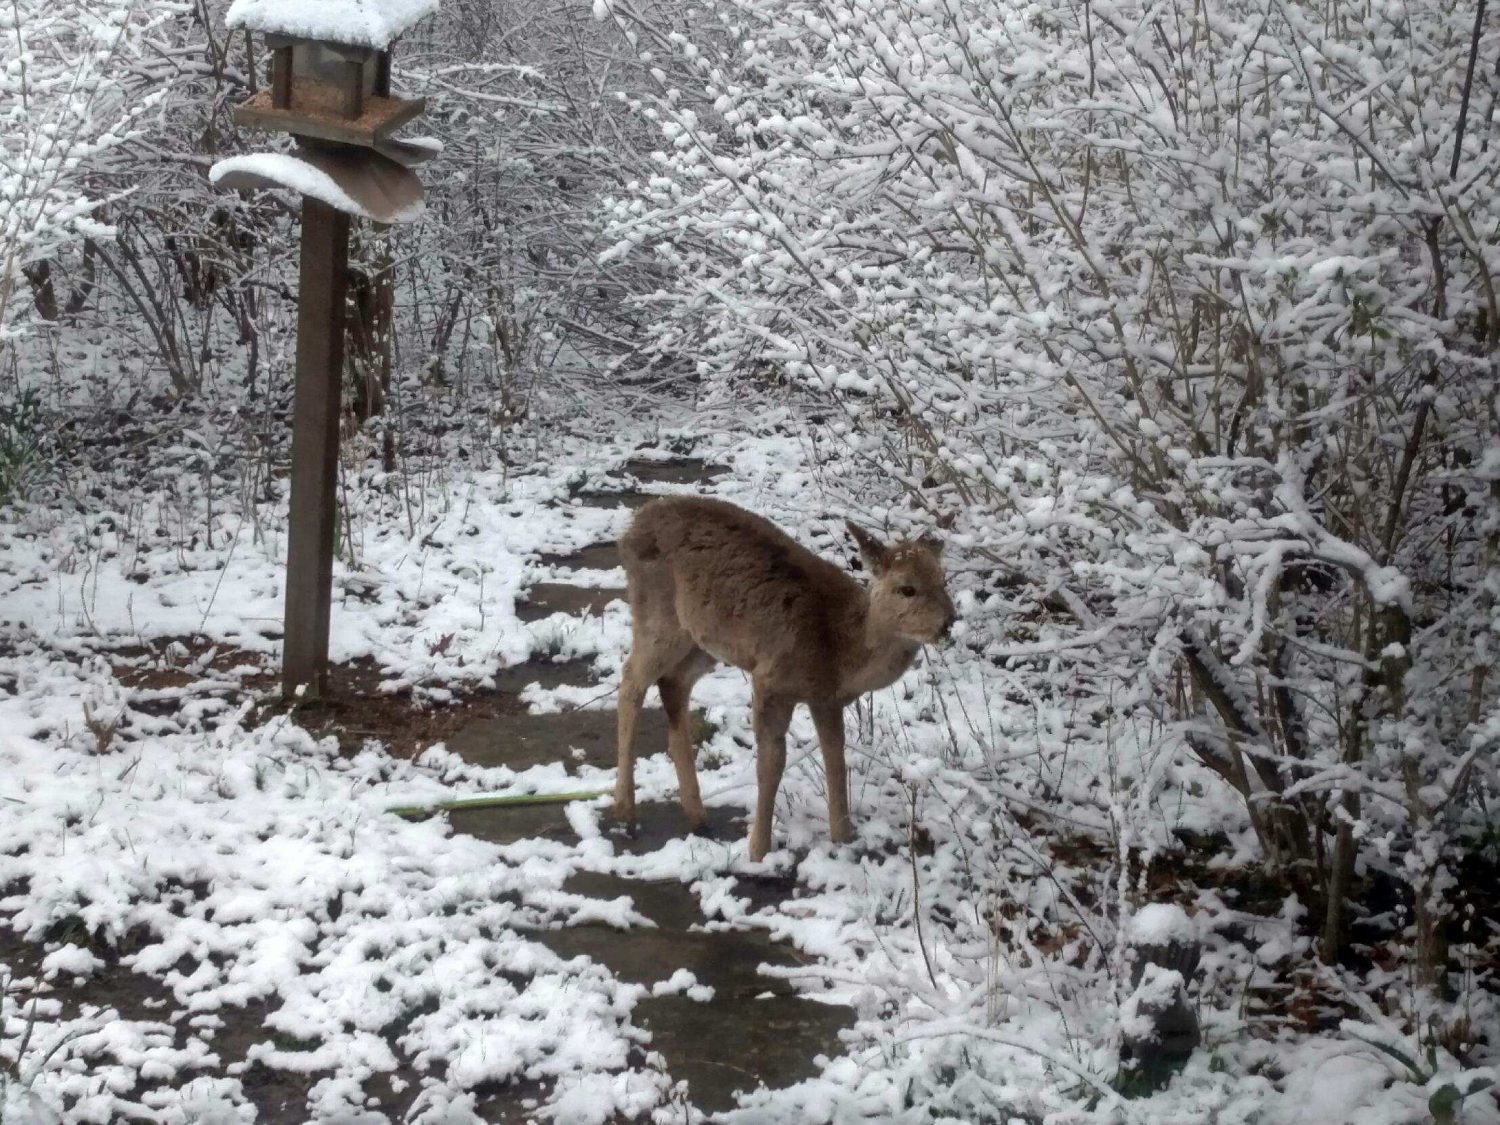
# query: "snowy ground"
1009,824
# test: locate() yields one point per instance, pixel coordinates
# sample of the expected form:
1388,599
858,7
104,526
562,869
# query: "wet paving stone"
754,1030
646,474
658,823
548,674
546,598
571,737
740,1040
599,499
596,556
511,824
687,470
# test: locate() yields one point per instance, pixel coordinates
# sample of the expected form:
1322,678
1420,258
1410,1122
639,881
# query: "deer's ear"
932,543
872,550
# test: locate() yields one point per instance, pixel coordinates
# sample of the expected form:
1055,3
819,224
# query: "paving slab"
596,556
511,824
571,737
549,674
685,470
631,499
755,1030
546,598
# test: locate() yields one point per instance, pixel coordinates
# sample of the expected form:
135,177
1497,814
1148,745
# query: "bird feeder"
330,88
328,91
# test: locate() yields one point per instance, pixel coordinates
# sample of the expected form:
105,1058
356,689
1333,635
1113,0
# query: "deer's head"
908,587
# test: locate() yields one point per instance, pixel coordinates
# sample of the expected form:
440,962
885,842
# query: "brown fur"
710,582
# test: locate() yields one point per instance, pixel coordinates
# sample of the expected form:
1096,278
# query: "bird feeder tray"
317,111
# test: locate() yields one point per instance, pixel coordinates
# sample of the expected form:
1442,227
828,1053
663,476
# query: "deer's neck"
877,660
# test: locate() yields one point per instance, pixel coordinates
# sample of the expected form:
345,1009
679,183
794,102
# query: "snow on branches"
1188,310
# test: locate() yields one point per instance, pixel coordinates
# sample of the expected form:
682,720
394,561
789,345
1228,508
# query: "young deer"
710,582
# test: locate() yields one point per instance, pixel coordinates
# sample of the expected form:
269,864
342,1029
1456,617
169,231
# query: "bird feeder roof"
359,23
366,185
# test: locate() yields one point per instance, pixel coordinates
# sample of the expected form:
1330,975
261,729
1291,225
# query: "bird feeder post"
313,508
330,88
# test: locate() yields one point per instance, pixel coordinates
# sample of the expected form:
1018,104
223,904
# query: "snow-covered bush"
68,104
1189,311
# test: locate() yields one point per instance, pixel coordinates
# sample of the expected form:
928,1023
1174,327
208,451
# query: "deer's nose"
947,630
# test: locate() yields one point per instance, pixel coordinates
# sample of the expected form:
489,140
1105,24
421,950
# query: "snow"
1341,1087
684,982
361,23
1176,396
1160,923
72,960
255,865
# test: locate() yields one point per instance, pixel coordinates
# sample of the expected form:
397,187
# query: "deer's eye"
907,591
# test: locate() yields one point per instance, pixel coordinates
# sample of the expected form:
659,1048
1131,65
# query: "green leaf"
1400,1056
1443,1104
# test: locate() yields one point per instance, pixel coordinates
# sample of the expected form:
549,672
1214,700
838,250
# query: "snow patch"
360,23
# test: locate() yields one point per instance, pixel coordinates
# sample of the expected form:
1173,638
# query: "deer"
709,583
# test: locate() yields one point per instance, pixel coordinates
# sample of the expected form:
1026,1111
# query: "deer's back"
747,593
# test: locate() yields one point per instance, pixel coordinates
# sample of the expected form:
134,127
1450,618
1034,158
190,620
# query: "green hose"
495,802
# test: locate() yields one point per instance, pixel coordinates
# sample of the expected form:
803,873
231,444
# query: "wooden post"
315,446
354,88
281,78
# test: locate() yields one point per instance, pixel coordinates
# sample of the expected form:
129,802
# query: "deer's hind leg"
658,644
676,689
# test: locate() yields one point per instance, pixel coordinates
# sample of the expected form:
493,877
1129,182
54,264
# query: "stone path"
755,1030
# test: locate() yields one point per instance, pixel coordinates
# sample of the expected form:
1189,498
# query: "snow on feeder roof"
357,23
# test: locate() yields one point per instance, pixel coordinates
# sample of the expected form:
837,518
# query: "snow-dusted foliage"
1184,312
68,103
503,281
116,244
1189,311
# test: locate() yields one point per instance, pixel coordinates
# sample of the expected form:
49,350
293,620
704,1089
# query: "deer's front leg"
771,717
829,719
632,695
